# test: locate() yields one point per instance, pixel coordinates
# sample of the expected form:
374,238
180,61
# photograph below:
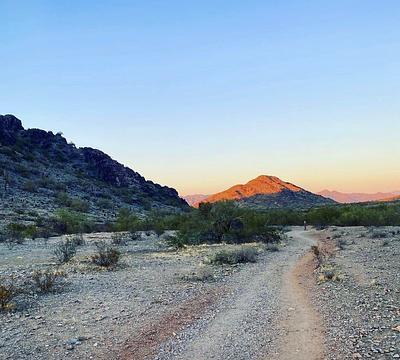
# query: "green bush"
79,205
63,199
70,222
15,234
175,241
126,221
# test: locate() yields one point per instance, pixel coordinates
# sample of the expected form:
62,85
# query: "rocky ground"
361,311
163,304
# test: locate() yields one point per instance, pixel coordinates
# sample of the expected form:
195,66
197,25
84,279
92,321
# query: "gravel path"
246,324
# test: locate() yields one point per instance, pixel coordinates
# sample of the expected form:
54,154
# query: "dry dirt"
163,304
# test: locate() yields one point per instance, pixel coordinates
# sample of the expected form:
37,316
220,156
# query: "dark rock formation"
34,157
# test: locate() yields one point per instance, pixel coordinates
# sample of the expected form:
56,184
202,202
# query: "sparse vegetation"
8,291
235,256
272,247
175,241
119,239
47,280
202,273
329,273
15,234
70,222
106,255
78,240
65,251
134,235
378,234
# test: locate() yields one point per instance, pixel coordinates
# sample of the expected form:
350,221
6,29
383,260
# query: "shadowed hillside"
41,172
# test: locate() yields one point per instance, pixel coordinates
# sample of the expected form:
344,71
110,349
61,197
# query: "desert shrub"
63,199
22,170
268,235
49,183
231,257
47,280
30,186
385,242
70,222
78,240
31,231
175,241
106,255
104,204
65,251
328,273
79,205
8,291
203,273
15,234
134,235
272,247
118,239
126,221
44,233
378,234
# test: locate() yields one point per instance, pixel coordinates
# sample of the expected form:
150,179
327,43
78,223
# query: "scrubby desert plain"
318,294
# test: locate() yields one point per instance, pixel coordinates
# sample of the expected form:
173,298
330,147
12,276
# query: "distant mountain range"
194,199
41,172
346,198
265,192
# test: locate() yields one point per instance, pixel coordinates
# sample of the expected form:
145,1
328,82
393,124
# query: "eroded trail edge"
301,324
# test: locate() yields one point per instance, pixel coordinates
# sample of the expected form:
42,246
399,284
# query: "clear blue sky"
200,95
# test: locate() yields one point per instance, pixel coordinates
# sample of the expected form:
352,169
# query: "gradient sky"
200,95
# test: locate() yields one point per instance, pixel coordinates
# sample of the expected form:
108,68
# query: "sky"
202,95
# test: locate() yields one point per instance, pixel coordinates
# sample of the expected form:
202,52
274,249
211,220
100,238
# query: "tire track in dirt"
145,343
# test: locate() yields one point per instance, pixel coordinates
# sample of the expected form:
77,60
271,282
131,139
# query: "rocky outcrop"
31,154
10,127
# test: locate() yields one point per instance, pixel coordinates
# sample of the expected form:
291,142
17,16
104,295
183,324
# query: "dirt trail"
266,316
302,325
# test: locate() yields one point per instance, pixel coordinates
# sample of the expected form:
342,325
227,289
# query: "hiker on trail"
305,225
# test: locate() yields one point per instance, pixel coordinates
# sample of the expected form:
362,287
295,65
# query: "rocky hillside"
195,198
392,198
347,198
41,172
269,192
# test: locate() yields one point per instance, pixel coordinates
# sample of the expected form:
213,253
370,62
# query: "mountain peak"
264,186
270,184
